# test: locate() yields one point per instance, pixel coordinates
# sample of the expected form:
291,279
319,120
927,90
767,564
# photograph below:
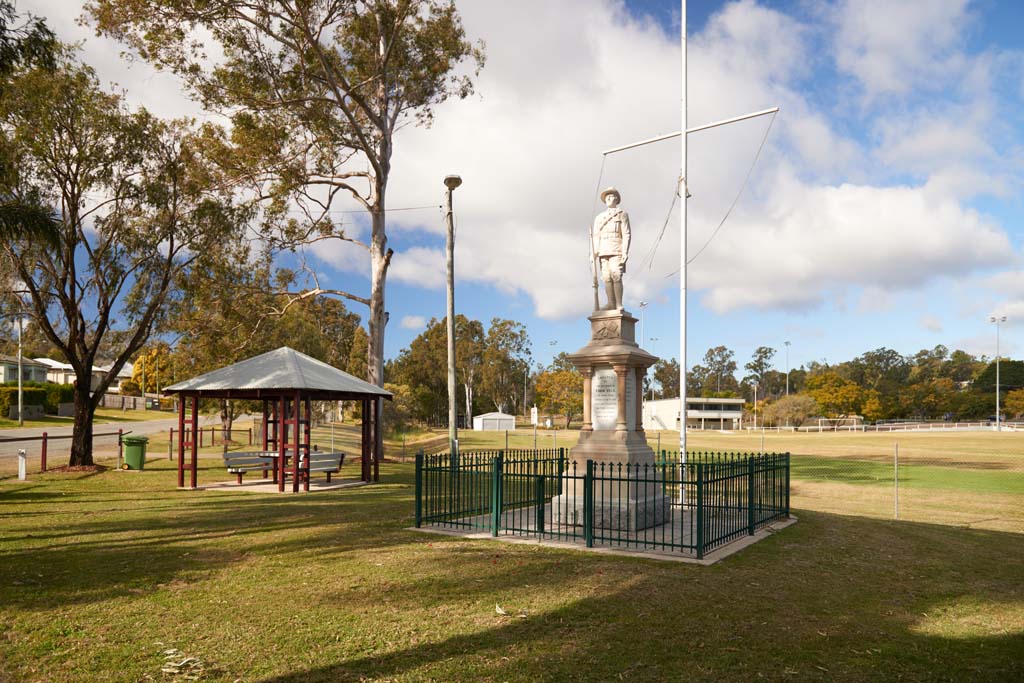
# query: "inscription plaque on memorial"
604,401
630,401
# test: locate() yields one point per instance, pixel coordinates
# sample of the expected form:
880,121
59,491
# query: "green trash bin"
134,452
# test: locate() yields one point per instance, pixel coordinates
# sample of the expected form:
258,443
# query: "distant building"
701,413
31,371
57,372
494,422
62,373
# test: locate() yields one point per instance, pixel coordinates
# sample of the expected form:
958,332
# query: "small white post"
332,440
896,481
762,439
21,464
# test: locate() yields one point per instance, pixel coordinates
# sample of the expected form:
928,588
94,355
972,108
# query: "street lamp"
451,182
654,341
21,402
755,405
997,321
787,366
643,305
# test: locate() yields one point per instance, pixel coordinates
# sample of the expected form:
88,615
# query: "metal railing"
692,507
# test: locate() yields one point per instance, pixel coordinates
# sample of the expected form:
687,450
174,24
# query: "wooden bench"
320,462
252,461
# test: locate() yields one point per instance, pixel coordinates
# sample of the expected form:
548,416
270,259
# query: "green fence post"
419,488
700,511
496,493
539,492
787,485
750,496
588,505
561,468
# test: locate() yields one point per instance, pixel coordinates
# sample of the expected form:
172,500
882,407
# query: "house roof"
25,361
494,415
53,364
283,369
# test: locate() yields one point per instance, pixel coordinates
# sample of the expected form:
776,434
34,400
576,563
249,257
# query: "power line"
386,210
736,199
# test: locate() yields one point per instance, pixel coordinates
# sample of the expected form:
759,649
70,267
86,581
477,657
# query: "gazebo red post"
195,443
281,431
378,437
365,442
181,442
297,405
264,433
306,431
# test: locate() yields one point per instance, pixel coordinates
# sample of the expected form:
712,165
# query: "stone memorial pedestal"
613,368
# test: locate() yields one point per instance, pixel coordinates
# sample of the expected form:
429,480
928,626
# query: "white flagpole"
682,265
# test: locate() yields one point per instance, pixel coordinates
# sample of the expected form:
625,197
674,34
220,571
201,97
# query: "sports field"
116,576
973,479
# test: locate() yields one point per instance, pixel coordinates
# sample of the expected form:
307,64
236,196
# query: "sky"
884,208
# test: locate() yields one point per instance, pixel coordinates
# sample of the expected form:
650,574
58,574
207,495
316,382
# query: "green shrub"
55,394
31,396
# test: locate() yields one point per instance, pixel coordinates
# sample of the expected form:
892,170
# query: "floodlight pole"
787,367
21,401
451,182
997,321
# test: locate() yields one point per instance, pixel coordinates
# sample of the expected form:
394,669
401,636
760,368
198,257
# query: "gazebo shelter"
286,382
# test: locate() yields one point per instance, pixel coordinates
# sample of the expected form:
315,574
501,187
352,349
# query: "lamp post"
755,405
643,305
654,342
787,366
451,182
997,321
21,402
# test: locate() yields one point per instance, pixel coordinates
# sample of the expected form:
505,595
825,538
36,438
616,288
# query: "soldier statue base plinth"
613,368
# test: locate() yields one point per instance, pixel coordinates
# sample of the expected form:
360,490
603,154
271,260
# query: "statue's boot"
609,290
617,284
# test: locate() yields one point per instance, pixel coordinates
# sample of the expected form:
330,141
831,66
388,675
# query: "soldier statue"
610,241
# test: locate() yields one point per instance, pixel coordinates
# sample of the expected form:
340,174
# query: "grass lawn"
103,573
971,479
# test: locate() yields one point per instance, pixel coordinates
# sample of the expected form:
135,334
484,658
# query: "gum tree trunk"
81,436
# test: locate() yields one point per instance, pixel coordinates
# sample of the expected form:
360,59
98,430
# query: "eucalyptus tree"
134,208
315,90
25,41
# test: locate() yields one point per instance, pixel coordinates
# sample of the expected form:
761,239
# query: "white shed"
494,422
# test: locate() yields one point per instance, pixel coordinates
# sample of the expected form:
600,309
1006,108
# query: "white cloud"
825,211
896,47
930,323
413,322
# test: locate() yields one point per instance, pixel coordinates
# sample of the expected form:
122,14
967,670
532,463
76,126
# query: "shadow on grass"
832,598
91,552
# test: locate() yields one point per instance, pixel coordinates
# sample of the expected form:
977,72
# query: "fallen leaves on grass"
180,666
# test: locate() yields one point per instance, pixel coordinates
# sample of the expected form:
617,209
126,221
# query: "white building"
494,422
57,372
701,413
62,373
31,371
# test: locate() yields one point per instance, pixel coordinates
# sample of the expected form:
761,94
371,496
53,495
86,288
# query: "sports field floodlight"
754,384
997,321
643,305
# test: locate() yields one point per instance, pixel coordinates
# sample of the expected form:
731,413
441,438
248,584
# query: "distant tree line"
883,384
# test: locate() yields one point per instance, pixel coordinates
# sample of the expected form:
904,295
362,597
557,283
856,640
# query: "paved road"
59,448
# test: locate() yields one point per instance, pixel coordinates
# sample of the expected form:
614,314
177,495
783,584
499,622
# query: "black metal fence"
691,507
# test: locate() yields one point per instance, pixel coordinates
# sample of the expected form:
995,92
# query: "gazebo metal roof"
274,372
